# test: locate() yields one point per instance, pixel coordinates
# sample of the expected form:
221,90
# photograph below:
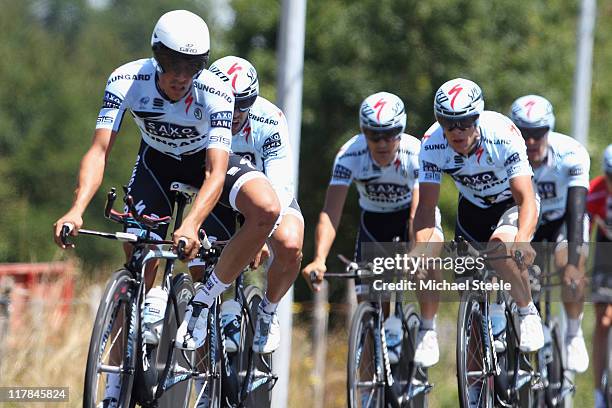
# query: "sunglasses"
461,124
245,104
388,135
534,133
189,67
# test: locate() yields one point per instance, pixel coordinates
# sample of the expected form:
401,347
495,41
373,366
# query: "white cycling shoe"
267,333
577,355
230,324
531,333
191,334
393,338
427,352
108,403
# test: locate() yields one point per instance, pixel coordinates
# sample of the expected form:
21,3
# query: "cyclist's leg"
286,253
603,323
531,332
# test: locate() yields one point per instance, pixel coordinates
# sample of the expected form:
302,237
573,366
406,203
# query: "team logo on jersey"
514,158
547,190
144,101
576,170
439,146
270,143
169,130
221,119
479,179
386,192
429,166
111,101
197,112
341,172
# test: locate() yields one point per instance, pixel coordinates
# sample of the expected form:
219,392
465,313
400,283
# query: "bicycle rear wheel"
475,384
112,348
364,360
253,369
554,367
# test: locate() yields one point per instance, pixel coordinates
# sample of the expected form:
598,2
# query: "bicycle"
491,370
247,378
399,385
149,374
557,384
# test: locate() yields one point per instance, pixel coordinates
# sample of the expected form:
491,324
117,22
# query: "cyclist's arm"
210,192
425,216
574,218
329,219
524,196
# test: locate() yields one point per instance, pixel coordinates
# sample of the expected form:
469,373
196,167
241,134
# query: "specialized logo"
247,155
188,102
221,119
231,70
478,153
144,101
529,106
456,90
378,107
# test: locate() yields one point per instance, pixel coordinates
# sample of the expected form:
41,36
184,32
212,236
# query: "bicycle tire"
403,370
468,329
527,396
119,299
554,369
362,335
260,363
182,291
208,361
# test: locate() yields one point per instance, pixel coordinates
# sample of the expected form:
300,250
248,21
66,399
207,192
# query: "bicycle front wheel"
364,360
254,370
552,357
475,383
112,348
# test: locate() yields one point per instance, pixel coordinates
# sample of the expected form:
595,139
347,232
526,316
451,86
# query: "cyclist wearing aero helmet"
561,176
383,162
260,135
599,205
485,155
184,115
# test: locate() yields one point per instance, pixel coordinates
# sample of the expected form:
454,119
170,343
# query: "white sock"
113,386
210,290
574,326
530,309
267,306
428,324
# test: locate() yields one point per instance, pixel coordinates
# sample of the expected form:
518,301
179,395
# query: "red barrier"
50,284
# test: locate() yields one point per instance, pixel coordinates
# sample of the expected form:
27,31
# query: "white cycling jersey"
264,140
201,119
483,176
381,189
566,165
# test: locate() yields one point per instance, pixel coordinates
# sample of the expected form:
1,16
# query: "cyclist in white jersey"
383,163
484,153
184,114
260,134
561,176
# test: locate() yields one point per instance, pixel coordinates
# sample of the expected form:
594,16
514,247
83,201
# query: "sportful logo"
455,90
380,103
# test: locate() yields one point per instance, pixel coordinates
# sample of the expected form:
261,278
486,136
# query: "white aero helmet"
241,76
458,99
607,160
382,112
180,41
532,111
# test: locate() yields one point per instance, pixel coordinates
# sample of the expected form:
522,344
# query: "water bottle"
497,315
154,310
393,338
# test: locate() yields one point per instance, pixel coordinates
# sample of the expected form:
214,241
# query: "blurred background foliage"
58,54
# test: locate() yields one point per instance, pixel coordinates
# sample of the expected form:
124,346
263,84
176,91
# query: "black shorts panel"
477,224
381,227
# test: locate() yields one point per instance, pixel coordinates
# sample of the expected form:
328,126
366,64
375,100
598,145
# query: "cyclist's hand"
573,278
527,252
189,235
71,218
319,270
262,255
